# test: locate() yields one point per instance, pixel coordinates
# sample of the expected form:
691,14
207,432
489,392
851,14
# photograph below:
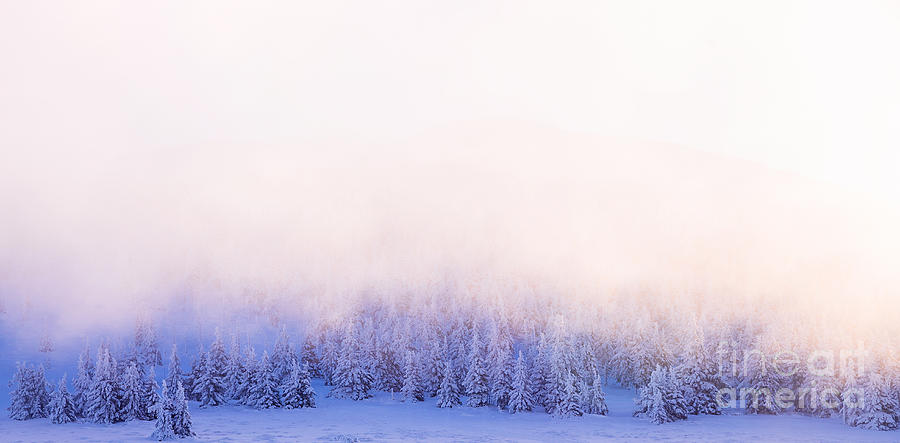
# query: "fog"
211,148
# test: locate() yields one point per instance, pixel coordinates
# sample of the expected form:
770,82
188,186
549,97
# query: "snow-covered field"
383,419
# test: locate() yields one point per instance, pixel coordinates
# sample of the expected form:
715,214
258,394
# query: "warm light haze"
598,165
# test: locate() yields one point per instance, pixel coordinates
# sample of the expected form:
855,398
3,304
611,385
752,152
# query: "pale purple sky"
143,139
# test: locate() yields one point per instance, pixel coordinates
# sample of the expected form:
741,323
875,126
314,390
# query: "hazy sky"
142,137
809,87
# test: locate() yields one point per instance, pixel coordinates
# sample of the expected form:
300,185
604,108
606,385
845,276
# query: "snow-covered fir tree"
540,374
762,385
568,402
881,408
852,400
456,347
412,385
520,399
132,395
264,388
234,371
61,408
209,380
561,390
103,399
189,380
430,362
82,385
593,398
174,375
822,396
181,416
151,393
246,378
330,354
283,356
310,356
700,379
165,428
29,397
448,394
476,381
42,389
501,366
146,345
20,395
297,391
352,380
661,400
389,374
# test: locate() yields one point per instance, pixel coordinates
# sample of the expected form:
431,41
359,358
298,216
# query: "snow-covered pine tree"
476,381
368,349
165,428
209,380
823,399
297,392
283,356
264,390
131,395
881,409
388,371
661,400
152,355
540,374
41,389
181,416
151,393
330,349
189,381
456,348
20,395
559,376
448,394
433,369
430,358
762,387
174,375
700,378
351,379
28,397
500,363
656,407
594,400
246,379
61,408
677,405
310,356
569,400
234,370
82,386
103,400
412,384
520,399
851,397
146,345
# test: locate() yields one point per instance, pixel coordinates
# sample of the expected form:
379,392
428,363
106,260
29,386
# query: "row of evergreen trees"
107,392
451,363
485,358
132,397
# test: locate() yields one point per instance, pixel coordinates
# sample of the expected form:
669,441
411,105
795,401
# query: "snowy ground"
383,419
